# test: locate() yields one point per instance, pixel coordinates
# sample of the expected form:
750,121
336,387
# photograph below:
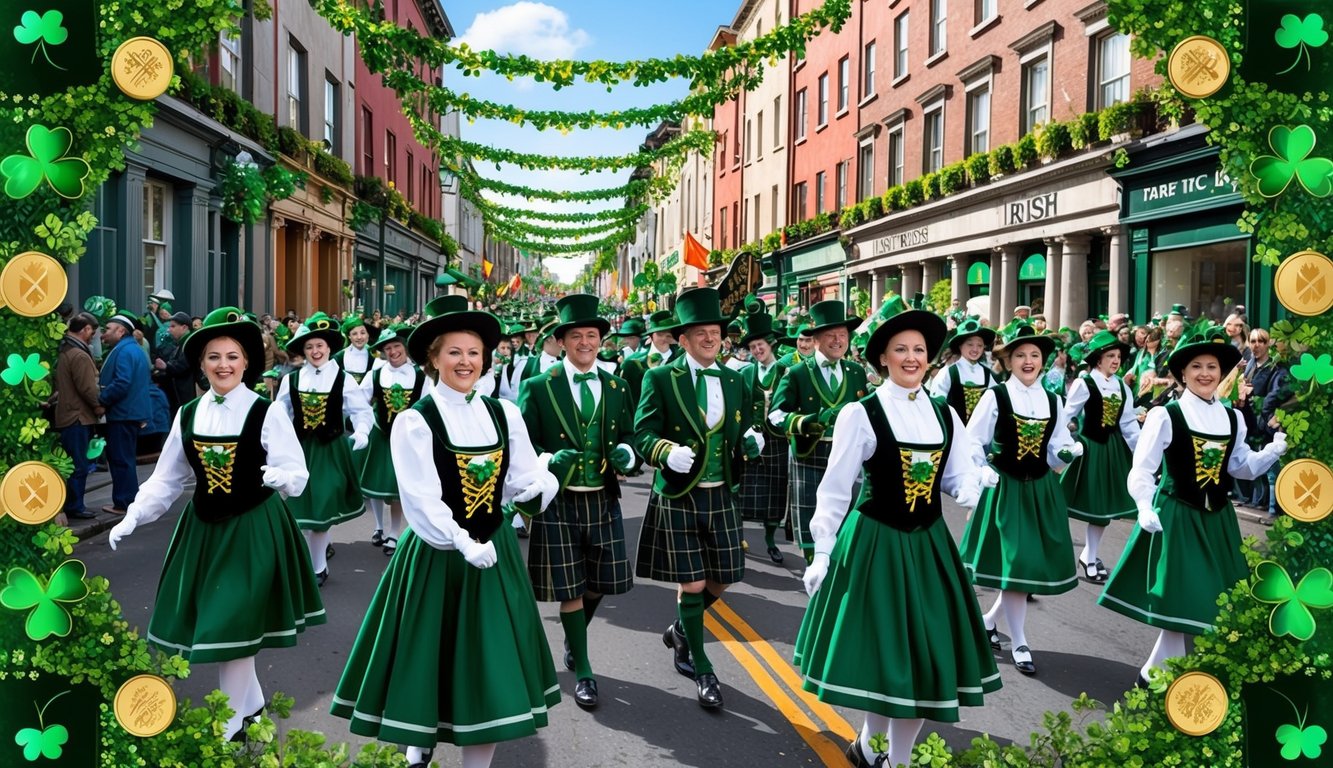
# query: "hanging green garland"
634,189
698,141
567,249
619,215
557,233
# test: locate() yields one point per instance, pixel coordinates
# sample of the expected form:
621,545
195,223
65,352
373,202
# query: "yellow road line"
827,751
830,717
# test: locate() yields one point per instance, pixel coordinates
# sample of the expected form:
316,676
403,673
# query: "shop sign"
901,241
1179,191
671,260
1030,210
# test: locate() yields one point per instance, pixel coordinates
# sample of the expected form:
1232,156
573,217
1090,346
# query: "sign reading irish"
742,279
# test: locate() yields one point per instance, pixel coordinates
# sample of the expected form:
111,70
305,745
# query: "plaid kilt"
578,546
692,538
805,477
764,484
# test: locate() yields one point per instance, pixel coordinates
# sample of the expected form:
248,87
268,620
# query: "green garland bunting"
618,215
698,140
634,189
557,233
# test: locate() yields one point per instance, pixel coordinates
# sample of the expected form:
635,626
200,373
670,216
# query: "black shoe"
569,657
1102,573
1032,598
857,757
710,690
1091,573
425,760
585,693
389,546
322,577
84,515
328,552
377,538
675,640
775,555
523,532
993,635
1025,665
240,736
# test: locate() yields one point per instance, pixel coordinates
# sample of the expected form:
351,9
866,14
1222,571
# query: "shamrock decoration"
309,400
1313,369
47,29
1212,455
1292,615
1299,740
47,161
21,368
1292,147
397,398
481,468
216,456
95,448
1296,32
1031,429
921,471
46,741
47,617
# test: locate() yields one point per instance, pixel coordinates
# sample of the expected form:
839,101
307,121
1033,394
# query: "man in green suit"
580,416
661,349
695,424
629,335
806,403
764,488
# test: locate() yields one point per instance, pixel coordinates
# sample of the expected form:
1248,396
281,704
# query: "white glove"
359,440
477,554
1279,444
680,459
533,490
988,477
1149,521
815,573
1076,449
968,496
758,438
276,478
124,528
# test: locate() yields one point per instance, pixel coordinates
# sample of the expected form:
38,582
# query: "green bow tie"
582,377
830,363
219,399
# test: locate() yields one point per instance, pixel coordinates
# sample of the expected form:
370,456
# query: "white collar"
820,359
895,392
450,396
329,364
695,366
1017,386
1189,395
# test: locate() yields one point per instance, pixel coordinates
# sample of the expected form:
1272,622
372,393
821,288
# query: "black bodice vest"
474,502
382,401
1095,415
1020,455
228,477
1190,474
316,414
891,492
958,391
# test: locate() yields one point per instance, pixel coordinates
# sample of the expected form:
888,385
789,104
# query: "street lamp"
448,181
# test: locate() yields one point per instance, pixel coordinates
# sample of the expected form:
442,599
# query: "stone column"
129,282
996,288
930,274
911,282
1074,279
1118,295
1051,301
1011,260
876,288
959,279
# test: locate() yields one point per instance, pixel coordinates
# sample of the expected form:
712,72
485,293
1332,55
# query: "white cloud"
528,28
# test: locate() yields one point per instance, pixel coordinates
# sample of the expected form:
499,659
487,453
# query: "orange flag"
515,283
486,268
695,254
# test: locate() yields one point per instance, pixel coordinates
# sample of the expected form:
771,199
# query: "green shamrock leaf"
20,368
1297,741
47,617
1212,457
481,469
25,173
1292,615
921,471
1304,34
1310,367
216,456
44,30
48,742
95,448
1292,147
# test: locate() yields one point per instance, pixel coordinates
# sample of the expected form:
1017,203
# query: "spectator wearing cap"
124,382
77,407
172,371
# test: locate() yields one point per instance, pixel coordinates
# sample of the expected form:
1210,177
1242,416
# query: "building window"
409,189
978,120
1036,92
840,192
896,156
938,39
798,199
844,82
868,71
754,224
391,158
933,141
865,171
1112,70
426,198
759,135
156,227
331,139
229,59
722,222
367,142
986,10
749,139
773,207
296,87
823,100
900,46
819,192
802,114
735,224
777,123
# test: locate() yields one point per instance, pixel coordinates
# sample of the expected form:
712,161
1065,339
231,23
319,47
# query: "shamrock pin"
1304,34
46,741
95,448
47,29
921,471
398,398
1292,615
1292,147
47,161
20,368
47,617
1312,369
1031,429
481,468
1299,740
1212,455
216,456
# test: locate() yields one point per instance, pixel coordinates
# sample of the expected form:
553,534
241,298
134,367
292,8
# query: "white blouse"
356,399
469,425
1109,386
1028,402
913,421
278,437
716,406
360,360
1209,418
968,373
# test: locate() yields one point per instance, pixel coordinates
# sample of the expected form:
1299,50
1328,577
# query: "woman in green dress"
452,647
392,388
236,577
893,628
1018,541
1186,548
1094,484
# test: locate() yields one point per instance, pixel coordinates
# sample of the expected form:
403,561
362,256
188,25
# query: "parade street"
648,715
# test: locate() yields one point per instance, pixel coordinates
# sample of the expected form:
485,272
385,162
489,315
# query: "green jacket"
668,415
763,395
633,368
801,395
551,412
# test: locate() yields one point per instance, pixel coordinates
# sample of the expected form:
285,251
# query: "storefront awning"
978,274
450,276
1034,268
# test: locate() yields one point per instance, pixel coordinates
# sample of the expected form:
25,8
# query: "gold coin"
1305,490
1304,283
1196,703
1198,67
32,492
33,284
142,68
145,705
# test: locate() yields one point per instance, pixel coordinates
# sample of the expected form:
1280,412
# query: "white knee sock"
990,616
874,724
517,522
478,755
376,509
1092,543
318,541
415,755
394,529
1015,605
902,737
1169,645
237,679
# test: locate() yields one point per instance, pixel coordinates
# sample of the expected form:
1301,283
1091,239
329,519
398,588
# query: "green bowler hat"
632,326
828,314
967,329
579,310
663,320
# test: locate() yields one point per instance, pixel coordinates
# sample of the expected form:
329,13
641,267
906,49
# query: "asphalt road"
648,714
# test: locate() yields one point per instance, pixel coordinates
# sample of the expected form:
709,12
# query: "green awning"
978,274
1034,268
451,276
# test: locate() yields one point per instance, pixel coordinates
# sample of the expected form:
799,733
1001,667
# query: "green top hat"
759,325
632,326
1208,341
1024,333
1177,309
1103,341
828,314
450,313
398,333
317,326
698,306
352,322
969,328
663,320
579,310
894,317
231,323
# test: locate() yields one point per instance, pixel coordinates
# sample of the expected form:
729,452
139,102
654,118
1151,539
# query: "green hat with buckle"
829,314
1023,333
1208,341
317,326
579,310
1102,341
969,328
893,317
661,321
699,306
445,314
229,322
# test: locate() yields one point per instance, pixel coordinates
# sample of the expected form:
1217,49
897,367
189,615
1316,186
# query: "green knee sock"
770,531
590,606
691,609
576,634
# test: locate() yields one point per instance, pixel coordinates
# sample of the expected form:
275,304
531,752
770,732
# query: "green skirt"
1171,579
233,587
333,494
1095,484
378,479
1018,537
449,652
895,628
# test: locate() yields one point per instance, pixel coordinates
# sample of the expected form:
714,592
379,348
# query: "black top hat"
229,322
759,325
579,310
894,317
450,313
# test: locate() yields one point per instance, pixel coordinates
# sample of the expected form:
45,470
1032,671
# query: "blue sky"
609,30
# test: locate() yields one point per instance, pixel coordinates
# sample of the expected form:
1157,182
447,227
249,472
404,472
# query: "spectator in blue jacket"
125,391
